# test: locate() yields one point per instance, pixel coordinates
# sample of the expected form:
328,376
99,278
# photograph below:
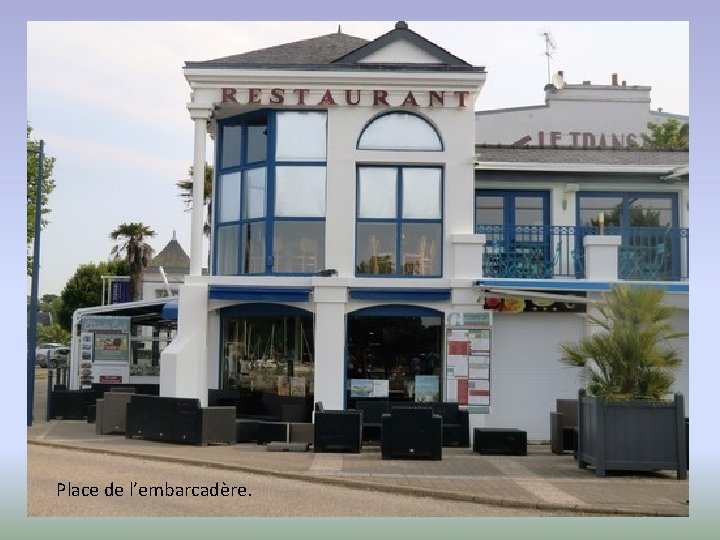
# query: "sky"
109,100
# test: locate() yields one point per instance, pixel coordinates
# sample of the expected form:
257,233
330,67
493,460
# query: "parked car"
58,357
42,353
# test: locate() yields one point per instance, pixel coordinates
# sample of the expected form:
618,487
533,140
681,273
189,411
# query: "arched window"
400,131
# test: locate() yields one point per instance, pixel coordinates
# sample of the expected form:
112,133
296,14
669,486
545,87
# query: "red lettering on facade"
254,95
617,142
575,137
327,99
409,100
541,139
228,95
301,93
588,139
555,137
602,143
461,95
277,95
348,97
439,96
380,98
630,139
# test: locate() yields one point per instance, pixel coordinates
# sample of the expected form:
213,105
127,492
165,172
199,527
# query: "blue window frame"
515,222
270,193
400,131
646,222
399,221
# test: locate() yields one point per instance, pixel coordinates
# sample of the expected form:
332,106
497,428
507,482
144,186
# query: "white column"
468,254
601,257
330,295
183,363
200,117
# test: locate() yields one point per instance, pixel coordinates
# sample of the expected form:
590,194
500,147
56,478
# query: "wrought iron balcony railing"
544,252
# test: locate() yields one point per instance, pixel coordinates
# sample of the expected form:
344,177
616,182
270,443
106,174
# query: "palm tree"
630,357
137,253
186,192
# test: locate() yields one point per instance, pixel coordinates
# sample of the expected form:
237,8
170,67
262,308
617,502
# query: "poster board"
104,350
369,388
468,342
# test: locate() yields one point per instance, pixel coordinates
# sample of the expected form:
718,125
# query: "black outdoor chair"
411,433
563,423
337,431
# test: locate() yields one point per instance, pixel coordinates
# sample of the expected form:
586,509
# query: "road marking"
327,462
535,484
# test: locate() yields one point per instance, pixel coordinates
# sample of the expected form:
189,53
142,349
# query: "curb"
365,485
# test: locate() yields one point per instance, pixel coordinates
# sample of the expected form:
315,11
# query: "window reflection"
228,246
421,193
399,131
229,197
301,136
300,191
377,193
269,355
231,146
376,248
299,247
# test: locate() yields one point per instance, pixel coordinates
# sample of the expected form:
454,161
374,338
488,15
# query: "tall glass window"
270,193
399,221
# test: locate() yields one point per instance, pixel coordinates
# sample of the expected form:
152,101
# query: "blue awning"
170,310
399,294
259,294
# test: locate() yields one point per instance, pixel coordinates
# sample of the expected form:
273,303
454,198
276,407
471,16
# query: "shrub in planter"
626,420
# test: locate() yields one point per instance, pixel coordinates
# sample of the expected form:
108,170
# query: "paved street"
463,483
266,496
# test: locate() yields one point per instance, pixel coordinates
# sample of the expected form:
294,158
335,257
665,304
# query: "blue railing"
549,251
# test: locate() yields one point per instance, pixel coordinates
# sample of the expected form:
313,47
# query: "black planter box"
639,435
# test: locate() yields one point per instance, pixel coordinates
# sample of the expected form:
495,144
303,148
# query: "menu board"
468,359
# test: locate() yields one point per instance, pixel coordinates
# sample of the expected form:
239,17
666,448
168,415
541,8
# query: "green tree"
670,135
186,192
84,289
629,357
134,250
53,333
48,185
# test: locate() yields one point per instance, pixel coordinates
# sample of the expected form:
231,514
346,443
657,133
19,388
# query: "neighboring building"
174,263
362,243
575,115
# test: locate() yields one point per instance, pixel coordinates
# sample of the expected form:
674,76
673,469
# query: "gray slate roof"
605,156
172,258
318,50
339,51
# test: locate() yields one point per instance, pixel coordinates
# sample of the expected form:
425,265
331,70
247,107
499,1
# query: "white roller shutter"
527,375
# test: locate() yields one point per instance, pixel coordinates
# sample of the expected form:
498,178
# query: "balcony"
556,251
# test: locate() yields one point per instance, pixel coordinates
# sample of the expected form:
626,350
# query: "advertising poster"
427,388
478,392
111,347
297,386
369,388
109,373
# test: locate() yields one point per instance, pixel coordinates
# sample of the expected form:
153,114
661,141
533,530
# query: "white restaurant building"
372,232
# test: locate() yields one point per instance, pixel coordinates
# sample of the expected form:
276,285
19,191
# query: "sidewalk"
539,480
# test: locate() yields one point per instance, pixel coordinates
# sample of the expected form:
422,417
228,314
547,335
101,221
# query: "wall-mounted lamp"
327,272
569,191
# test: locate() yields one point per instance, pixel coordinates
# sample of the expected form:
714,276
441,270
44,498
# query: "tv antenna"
550,47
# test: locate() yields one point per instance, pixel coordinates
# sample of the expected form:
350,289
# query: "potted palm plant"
626,419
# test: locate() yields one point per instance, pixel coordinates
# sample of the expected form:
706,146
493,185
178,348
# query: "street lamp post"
32,317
